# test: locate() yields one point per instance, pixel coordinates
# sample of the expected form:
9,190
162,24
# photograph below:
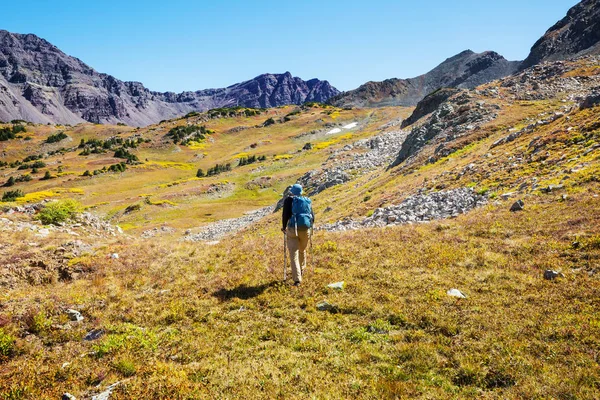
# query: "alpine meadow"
452,233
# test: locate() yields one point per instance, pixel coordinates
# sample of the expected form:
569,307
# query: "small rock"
68,396
456,293
106,394
94,334
551,275
517,206
114,256
75,315
324,306
336,285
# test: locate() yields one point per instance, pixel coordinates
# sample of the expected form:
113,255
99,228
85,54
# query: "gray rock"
336,285
519,205
74,315
225,227
456,293
94,334
105,395
551,275
325,306
416,209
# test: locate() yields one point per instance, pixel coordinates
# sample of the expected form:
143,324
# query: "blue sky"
181,45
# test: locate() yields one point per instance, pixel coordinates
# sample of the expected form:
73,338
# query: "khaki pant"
297,245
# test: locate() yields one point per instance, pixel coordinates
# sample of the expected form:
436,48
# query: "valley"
455,255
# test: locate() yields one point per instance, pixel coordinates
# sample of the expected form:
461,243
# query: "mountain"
465,70
40,83
575,35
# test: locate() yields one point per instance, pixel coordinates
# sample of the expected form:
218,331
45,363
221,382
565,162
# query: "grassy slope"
168,171
195,321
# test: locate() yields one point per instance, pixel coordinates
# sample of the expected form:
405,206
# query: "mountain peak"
577,34
464,70
42,84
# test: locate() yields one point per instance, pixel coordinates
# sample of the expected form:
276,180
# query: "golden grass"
190,321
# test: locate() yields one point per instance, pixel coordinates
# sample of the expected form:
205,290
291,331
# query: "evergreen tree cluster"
12,195
56,137
216,170
120,167
234,112
7,133
251,160
47,176
35,165
98,146
186,134
122,152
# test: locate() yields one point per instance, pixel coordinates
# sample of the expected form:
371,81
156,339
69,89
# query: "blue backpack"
301,213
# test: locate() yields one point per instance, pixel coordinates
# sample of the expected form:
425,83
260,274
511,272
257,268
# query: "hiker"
297,220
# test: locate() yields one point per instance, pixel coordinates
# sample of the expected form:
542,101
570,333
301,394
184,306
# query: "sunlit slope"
164,183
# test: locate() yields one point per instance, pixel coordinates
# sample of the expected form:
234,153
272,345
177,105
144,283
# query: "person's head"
296,190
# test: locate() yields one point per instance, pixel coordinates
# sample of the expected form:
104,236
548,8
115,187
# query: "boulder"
456,293
519,205
550,275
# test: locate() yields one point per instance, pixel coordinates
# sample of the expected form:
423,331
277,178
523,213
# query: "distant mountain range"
40,83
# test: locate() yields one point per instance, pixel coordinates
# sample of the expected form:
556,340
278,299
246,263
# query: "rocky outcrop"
429,104
457,116
40,83
353,160
415,209
222,228
465,70
575,35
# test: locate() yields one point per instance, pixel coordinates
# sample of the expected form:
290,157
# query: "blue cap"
296,190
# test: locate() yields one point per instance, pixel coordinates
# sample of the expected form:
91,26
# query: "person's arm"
287,212
313,216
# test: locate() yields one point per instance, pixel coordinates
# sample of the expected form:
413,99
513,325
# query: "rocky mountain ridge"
577,34
465,70
40,83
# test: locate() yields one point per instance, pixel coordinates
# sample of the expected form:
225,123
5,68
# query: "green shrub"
123,153
127,368
10,182
268,122
12,195
47,176
7,345
56,137
59,211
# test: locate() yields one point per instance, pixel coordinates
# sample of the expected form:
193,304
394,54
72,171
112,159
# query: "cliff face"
465,70
40,83
575,35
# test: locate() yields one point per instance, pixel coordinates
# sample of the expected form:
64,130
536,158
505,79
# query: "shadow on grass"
244,292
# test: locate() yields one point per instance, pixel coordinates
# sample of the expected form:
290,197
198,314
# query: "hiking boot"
296,283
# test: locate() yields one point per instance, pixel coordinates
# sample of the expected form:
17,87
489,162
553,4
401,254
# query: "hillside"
465,70
404,215
40,83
